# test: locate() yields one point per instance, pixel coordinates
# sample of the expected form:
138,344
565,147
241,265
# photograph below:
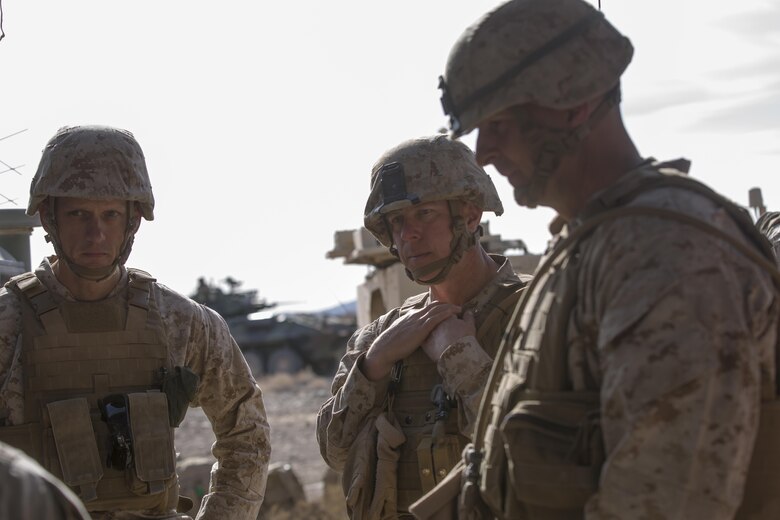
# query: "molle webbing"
85,351
415,412
67,358
461,241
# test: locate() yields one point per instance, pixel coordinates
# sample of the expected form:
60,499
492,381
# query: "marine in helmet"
99,362
639,363
406,392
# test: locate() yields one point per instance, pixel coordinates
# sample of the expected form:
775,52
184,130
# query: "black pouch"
180,387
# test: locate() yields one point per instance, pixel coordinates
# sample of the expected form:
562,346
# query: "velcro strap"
76,446
425,463
152,439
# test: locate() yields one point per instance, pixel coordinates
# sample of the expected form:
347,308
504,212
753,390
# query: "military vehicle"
281,342
15,230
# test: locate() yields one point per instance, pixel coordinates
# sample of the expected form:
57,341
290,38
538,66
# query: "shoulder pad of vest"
137,275
23,282
677,166
414,301
521,281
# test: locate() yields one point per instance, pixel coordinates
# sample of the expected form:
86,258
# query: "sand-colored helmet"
93,162
426,169
429,169
554,53
98,163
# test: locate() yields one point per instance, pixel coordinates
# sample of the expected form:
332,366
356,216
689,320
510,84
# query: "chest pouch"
555,447
152,439
76,446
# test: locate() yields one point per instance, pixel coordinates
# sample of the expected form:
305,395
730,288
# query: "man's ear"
44,211
137,216
472,215
578,115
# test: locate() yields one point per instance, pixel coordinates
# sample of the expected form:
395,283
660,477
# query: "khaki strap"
76,446
138,294
425,464
42,302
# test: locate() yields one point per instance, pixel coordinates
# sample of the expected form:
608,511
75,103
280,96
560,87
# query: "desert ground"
291,402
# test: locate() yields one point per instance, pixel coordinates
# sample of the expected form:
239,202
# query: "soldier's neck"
467,278
83,289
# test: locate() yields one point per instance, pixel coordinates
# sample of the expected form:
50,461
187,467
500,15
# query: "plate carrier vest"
426,458
75,354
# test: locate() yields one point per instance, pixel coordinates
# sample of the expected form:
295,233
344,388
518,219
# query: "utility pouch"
555,445
385,497
179,386
435,458
359,475
152,439
77,448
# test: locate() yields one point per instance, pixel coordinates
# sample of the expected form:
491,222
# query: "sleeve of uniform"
11,391
464,367
340,418
233,402
686,324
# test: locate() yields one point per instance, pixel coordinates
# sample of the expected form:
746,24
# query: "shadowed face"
422,233
512,141
91,232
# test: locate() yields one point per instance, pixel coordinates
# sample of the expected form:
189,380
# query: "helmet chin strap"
555,145
94,274
462,239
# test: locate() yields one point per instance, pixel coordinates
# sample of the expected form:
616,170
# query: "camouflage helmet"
93,162
554,53
426,169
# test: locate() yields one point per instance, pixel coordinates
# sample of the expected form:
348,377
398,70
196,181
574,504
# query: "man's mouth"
417,257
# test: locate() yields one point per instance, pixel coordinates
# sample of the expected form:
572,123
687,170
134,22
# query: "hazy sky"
260,120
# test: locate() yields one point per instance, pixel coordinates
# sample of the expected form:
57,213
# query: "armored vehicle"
15,230
280,342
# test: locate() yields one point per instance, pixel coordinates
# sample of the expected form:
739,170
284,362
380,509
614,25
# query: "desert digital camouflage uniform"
28,492
103,163
462,370
395,438
669,333
645,352
198,338
769,225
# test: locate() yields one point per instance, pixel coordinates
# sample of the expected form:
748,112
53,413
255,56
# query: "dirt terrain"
291,402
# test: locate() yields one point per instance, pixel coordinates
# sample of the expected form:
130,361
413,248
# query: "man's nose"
96,229
410,230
